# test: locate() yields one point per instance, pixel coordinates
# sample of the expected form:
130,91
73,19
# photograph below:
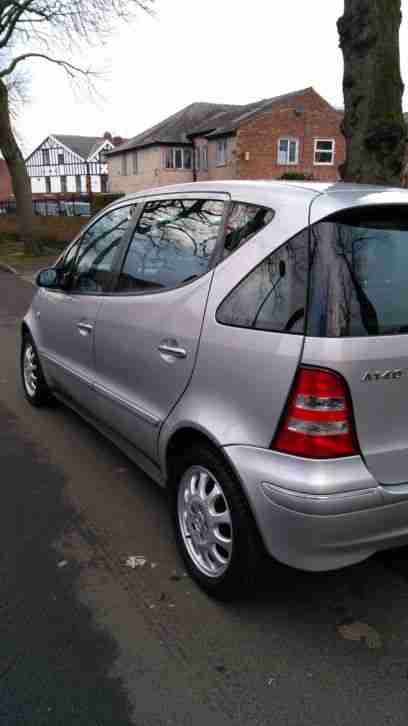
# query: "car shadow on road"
54,661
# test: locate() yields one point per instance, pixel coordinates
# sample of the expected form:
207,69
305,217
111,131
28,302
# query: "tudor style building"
70,164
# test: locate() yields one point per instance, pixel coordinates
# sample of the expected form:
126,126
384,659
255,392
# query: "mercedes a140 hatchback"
246,344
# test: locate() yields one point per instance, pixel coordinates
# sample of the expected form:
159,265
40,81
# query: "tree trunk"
18,172
373,123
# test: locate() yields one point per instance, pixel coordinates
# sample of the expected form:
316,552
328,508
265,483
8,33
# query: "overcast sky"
229,51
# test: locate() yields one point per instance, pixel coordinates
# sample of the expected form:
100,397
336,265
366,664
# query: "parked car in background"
246,344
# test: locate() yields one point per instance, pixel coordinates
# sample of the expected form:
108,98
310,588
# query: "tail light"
318,421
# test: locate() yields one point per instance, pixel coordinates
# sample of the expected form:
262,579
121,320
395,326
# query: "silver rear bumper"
319,515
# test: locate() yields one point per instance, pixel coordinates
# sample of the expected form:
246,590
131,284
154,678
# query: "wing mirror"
53,278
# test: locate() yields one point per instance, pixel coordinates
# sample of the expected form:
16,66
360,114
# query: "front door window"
92,270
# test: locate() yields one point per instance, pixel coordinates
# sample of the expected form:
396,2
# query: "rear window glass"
359,274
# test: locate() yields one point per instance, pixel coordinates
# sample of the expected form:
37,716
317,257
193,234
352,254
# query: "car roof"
323,198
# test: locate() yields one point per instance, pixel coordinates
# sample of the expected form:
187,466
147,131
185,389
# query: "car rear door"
66,318
358,325
148,331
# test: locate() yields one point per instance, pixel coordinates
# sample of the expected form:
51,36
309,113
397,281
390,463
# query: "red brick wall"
5,181
258,138
46,229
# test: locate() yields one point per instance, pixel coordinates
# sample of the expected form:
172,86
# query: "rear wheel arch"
188,437
182,439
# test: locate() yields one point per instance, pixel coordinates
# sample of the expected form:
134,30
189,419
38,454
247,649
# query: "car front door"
148,331
66,318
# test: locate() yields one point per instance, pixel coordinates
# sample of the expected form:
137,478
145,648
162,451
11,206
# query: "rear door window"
273,296
359,274
173,243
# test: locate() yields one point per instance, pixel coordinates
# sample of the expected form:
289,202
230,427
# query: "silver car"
245,343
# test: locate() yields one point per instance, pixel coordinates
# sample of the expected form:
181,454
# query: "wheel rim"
30,370
205,521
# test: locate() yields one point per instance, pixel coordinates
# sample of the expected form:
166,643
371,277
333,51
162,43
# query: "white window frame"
135,163
204,157
287,162
172,151
316,151
221,152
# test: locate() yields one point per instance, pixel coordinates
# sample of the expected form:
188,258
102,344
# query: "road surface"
84,639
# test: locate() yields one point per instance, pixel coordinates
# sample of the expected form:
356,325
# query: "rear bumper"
319,515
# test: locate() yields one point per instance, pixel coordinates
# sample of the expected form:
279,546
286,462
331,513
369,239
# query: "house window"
135,167
104,183
177,157
48,185
324,151
288,151
45,157
204,157
78,184
222,152
124,165
61,158
64,184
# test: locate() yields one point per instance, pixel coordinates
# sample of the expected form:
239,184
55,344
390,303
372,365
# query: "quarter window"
92,271
64,184
173,243
78,184
244,220
46,157
124,165
273,296
288,151
324,152
61,158
48,185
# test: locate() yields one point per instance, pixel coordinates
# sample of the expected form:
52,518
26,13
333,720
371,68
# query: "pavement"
85,639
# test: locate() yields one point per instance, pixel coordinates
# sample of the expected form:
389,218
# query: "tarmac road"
86,640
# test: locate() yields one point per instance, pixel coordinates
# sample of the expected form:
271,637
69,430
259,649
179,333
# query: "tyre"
35,387
215,530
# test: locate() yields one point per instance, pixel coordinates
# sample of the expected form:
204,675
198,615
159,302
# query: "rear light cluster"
318,421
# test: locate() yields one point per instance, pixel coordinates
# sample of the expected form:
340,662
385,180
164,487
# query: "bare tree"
47,30
373,122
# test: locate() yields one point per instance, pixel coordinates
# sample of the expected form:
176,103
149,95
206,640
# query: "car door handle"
85,328
172,349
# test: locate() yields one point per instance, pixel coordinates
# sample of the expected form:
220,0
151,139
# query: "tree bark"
373,123
18,172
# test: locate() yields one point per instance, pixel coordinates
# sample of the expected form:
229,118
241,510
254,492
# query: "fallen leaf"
358,631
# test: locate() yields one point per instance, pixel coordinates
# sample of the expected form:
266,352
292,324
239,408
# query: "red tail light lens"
318,421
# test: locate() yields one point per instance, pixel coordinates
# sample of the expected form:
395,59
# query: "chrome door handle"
172,350
85,328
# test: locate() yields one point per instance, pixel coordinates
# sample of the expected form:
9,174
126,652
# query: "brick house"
298,132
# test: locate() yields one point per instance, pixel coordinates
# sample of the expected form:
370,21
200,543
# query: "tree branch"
68,67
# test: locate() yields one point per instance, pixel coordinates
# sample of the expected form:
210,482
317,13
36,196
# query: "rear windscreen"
359,274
